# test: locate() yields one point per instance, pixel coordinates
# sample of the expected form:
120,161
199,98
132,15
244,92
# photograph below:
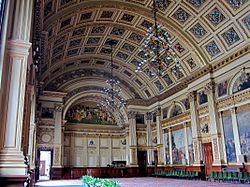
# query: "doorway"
142,163
208,157
45,165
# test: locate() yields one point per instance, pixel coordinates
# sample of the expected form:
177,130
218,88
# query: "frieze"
177,119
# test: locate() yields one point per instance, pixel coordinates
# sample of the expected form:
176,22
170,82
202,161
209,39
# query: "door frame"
204,156
38,160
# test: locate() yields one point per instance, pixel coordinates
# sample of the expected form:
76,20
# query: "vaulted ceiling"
77,56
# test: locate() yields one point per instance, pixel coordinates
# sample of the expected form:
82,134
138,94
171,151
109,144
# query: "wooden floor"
144,182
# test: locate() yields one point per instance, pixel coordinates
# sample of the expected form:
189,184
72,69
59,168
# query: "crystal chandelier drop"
158,50
113,89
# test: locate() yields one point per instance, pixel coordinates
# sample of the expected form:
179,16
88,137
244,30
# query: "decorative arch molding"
172,108
99,97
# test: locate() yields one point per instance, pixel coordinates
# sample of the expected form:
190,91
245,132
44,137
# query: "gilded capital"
210,87
192,96
131,114
58,107
149,116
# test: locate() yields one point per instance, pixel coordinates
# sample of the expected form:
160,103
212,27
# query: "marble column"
150,151
215,130
160,151
57,154
13,80
132,139
236,135
170,145
186,145
192,96
222,138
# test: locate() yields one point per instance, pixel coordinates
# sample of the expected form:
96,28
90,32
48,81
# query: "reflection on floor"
43,178
144,182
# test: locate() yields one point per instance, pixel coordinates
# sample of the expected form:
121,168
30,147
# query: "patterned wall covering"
202,32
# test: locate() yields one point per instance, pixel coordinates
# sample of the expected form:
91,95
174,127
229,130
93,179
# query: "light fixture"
113,89
158,50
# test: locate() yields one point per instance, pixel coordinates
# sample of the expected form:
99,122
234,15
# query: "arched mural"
89,114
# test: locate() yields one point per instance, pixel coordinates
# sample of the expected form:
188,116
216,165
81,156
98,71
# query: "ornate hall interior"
83,93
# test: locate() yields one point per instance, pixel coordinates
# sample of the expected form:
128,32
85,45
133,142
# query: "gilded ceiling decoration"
77,34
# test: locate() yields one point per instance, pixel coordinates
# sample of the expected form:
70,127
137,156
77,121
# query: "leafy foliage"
89,181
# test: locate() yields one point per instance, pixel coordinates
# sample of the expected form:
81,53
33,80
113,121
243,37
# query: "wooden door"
208,156
142,163
42,167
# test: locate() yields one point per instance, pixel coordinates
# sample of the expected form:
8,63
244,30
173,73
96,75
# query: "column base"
12,164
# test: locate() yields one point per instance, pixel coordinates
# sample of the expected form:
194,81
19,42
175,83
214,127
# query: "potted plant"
89,181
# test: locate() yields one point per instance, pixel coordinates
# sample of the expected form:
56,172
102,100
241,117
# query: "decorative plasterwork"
77,29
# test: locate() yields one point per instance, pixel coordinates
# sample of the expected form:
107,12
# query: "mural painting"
242,83
229,138
222,88
202,98
167,148
178,147
90,115
190,145
243,119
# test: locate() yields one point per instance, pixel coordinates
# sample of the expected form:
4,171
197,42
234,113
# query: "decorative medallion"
146,24
198,31
75,43
122,55
135,62
196,3
93,41
73,52
191,63
135,37
86,16
65,23
117,31
181,15
179,48
167,79
162,5
79,31
107,14
236,4
159,86
230,36
128,47
215,17
127,17
212,49
246,22
89,49
98,30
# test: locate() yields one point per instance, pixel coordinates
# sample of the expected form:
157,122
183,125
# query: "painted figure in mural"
230,150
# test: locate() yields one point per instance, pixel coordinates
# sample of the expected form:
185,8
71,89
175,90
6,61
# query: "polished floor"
145,182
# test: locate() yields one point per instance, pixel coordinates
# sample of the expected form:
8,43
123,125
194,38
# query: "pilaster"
214,124
132,139
150,151
192,96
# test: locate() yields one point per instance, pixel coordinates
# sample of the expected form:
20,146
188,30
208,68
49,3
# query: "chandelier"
158,50
113,89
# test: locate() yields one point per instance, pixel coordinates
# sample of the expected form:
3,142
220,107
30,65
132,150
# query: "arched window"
176,110
242,82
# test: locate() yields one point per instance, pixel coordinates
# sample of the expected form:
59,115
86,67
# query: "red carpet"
146,182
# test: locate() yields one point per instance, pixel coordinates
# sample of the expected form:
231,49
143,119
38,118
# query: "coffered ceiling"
77,56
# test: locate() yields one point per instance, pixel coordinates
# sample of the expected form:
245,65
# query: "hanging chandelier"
158,50
113,89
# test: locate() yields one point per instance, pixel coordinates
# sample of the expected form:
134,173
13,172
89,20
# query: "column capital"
58,107
192,96
132,114
158,111
233,110
210,87
149,116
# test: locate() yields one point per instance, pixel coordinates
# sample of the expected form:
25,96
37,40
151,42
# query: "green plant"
89,181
